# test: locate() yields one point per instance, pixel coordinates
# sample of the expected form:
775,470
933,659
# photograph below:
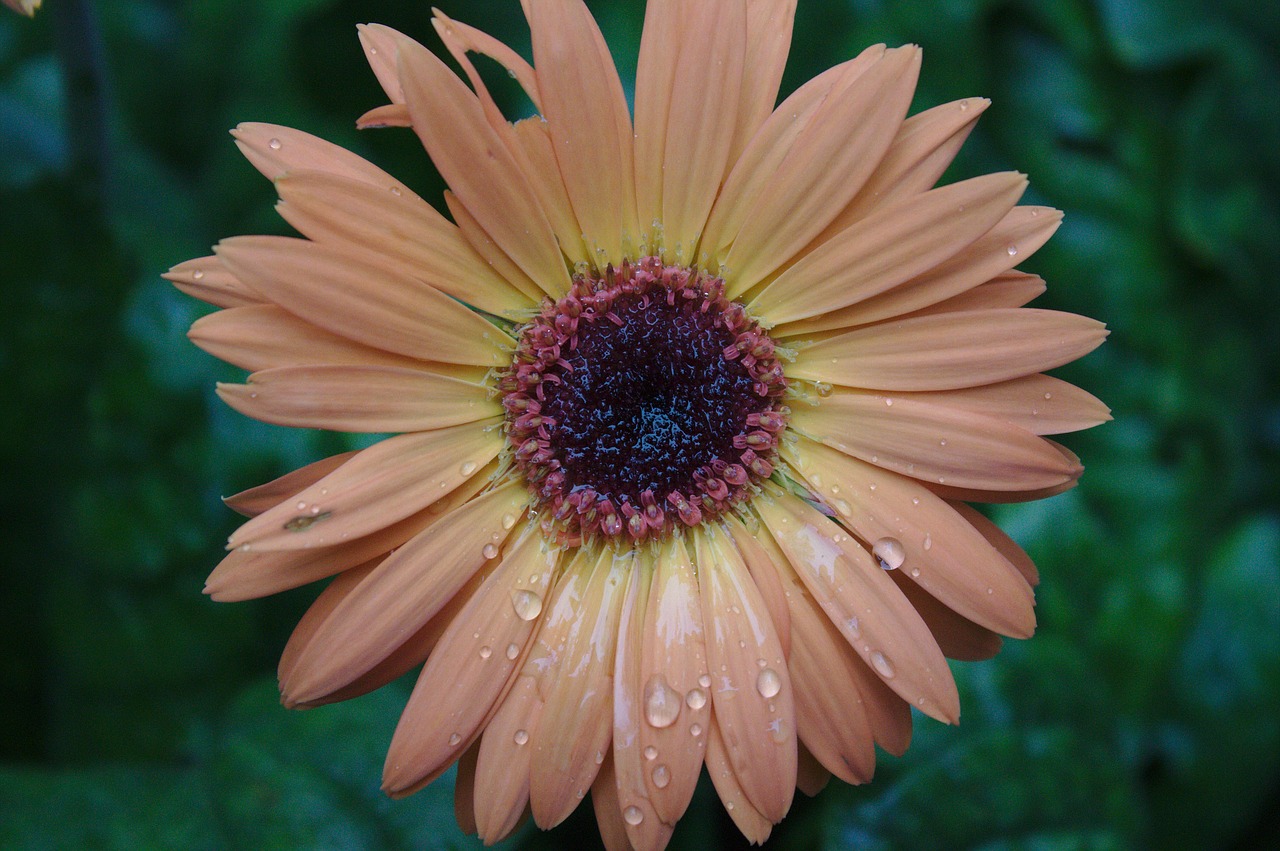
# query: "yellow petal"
359,398
342,293
750,688
941,551
934,443
384,483
769,25
864,605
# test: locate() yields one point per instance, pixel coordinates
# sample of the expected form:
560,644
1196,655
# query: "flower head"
687,407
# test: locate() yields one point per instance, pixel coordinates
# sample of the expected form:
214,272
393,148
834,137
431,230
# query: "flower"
687,408
26,7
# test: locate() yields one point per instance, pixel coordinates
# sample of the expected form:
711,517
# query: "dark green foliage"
138,714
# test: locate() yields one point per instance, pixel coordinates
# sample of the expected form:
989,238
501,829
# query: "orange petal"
846,138
502,768
621,794
275,151
464,790
969,494
262,336
889,248
923,149
766,151
1002,542
750,689
577,721
671,700
811,776
590,125
460,36
316,614
476,658
1023,228
957,636
382,484
660,41
403,594
342,293
256,500
1038,403
949,350
864,605
492,253
534,141
830,717
769,25
754,826
207,279
1010,289
934,442
359,398
380,50
940,550
708,81
760,562
404,231
477,165
387,115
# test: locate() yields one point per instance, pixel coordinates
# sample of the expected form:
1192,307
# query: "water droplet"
915,571
888,403
650,753
661,776
632,816
928,541
274,144
599,757
915,500
468,468
705,681
696,698
1013,251
661,702
942,442
1048,395
302,506
197,274
486,652
843,507
528,605
489,551
508,520
521,737
991,590
695,729
768,683
454,739
824,389
889,552
513,650
964,106
882,665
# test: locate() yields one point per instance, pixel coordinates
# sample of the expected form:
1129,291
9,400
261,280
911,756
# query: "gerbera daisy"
687,410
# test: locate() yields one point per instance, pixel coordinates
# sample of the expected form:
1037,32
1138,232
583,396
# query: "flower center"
642,400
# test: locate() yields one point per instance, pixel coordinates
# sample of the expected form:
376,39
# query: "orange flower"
687,410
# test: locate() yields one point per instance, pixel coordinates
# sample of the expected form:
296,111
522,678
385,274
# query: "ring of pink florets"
573,515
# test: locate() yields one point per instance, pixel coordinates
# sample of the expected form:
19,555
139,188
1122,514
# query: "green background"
138,714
